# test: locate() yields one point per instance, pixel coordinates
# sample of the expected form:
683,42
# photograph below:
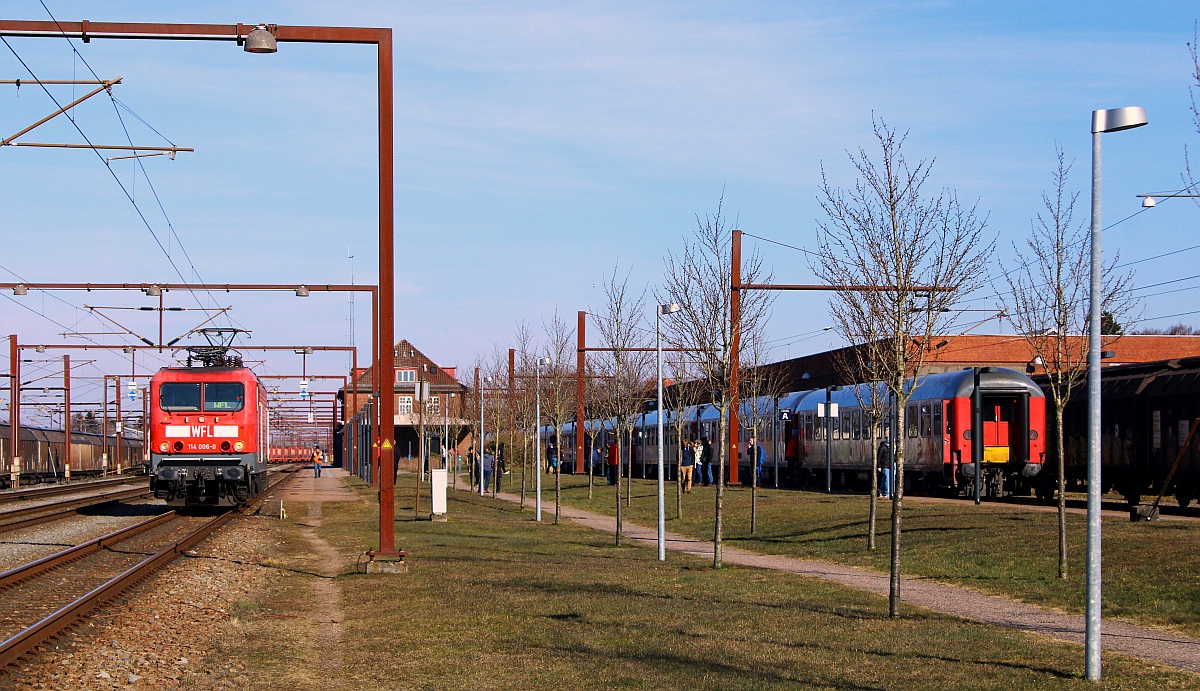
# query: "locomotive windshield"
219,397
179,396
224,397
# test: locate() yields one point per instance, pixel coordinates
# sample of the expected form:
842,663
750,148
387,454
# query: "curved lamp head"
669,309
260,40
1117,119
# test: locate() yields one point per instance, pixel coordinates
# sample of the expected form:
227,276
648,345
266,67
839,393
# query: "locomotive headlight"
163,447
239,445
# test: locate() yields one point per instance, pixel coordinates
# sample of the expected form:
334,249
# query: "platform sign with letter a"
785,415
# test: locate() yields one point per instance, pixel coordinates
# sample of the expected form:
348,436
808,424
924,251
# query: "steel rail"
39,566
11,520
20,644
37,492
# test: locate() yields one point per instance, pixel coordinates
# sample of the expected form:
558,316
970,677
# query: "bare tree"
559,385
620,322
1048,293
908,256
759,384
684,394
862,364
698,279
1190,177
522,399
595,397
496,405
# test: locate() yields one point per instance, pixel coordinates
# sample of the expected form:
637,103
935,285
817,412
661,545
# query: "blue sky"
540,143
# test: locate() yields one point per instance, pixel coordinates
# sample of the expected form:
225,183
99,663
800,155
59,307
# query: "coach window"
911,419
845,422
925,429
179,396
938,430
224,397
856,424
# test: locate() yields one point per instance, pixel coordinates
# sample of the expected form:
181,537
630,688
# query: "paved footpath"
1145,643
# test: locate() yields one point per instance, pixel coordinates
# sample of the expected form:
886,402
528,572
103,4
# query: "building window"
406,376
434,405
404,405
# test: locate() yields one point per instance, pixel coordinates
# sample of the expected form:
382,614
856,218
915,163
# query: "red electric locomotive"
209,436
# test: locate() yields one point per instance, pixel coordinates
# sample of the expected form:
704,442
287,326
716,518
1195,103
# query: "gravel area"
23,546
159,634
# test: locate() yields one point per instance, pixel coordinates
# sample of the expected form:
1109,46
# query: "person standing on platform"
614,461
597,460
687,465
706,475
885,469
472,465
316,461
758,457
489,464
551,456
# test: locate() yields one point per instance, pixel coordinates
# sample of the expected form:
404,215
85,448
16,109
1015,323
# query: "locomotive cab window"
224,397
179,396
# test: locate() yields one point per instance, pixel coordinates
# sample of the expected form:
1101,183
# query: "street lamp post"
662,510
1112,120
537,434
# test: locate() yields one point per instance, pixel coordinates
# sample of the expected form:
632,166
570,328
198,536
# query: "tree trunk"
720,452
557,474
524,465
1062,493
874,510
591,467
618,488
753,483
897,507
679,475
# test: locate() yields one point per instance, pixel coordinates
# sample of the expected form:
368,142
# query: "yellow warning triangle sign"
387,443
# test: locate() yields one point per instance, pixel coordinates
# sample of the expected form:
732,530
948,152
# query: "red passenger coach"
208,435
941,417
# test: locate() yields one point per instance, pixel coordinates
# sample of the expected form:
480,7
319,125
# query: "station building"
442,413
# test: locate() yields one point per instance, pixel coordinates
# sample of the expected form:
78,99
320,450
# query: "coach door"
1006,428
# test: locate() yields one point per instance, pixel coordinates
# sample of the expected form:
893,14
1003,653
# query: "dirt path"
326,604
1145,643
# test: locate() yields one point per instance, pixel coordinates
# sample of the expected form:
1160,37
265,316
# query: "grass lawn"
1150,569
494,600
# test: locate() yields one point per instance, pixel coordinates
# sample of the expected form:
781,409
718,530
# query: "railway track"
19,495
15,519
41,599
